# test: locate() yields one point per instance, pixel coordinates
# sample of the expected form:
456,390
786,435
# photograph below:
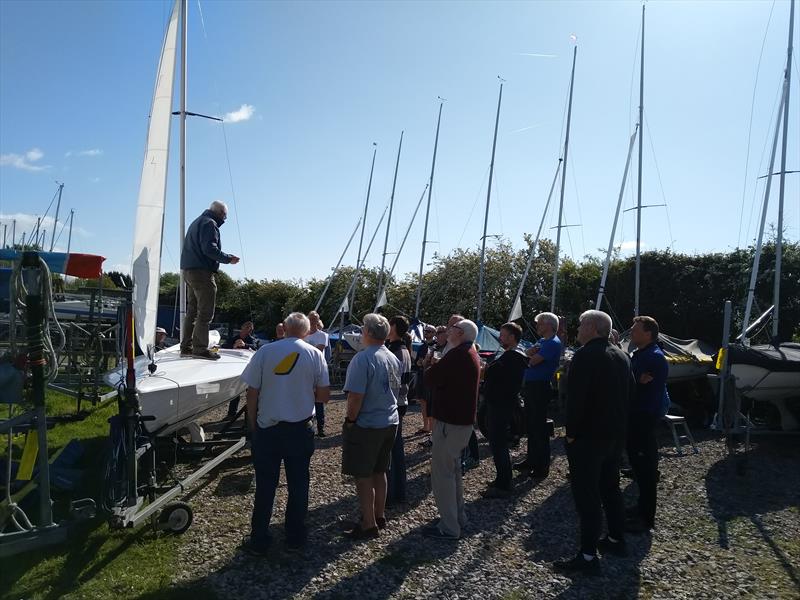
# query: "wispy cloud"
244,113
26,162
521,129
538,55
26,223
90,152
94,179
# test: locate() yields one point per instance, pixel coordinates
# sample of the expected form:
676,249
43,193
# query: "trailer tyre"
176,517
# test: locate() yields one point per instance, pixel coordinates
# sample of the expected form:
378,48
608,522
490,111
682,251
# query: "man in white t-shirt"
319,339
285,379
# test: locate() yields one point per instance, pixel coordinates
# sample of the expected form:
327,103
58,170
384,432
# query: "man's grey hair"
469,328
601,320
547,317
376,326
297,323
218,207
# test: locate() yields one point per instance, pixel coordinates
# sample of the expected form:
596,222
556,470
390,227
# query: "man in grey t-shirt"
371,423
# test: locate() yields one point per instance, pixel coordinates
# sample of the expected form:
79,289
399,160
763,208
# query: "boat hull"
181,389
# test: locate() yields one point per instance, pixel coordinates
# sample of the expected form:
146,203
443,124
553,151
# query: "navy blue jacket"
651,398
201,246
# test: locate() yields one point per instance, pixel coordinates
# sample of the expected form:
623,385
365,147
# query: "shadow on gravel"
753,485
554,536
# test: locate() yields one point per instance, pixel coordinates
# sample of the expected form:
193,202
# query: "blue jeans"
396,477
292,444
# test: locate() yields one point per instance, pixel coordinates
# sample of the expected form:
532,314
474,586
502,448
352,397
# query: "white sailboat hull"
181,389
759,383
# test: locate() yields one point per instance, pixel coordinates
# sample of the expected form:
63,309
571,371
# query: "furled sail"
152,193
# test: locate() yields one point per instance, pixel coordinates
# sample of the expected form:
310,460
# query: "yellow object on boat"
29,454
721,358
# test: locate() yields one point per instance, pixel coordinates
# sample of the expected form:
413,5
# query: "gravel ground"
720,534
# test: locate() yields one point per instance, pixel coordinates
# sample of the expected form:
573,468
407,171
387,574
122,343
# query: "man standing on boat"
200,258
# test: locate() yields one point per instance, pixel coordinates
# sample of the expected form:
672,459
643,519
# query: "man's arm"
535,360
322,395
354,402
252,407
209,243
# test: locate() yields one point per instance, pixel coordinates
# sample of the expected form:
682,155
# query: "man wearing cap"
453,381
161,339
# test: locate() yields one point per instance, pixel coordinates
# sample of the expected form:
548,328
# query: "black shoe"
359,534
433,531
538,474
618,548
206,354
255,548
523,466
380,522
627,473
186,352
578,565
638,525
497,492
295,547
321,433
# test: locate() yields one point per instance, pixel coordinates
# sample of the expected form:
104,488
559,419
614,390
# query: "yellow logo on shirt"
287,364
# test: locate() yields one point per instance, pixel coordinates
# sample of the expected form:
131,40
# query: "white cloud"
245,112
68,154
538,55
630,246
92,152
94,179
27,223
24,161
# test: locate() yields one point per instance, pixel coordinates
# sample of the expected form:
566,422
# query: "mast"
13,232
182,218
69,238
757,258
336,268
639,193
516,312
381,292
389,221
428,211
787,84
363,224
563,182
55,223
601,292
486,216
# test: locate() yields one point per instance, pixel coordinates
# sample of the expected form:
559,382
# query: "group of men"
613,401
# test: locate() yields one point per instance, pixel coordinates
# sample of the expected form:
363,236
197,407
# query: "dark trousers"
293,444
471,451
396,476
498,424
643,456
319,409
537,398
594,479
201,296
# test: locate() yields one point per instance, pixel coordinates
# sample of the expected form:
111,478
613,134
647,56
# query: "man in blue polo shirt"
543,361
649,404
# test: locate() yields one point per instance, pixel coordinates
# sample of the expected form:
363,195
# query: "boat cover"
784,358
679,351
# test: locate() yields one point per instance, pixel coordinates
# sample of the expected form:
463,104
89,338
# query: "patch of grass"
96,562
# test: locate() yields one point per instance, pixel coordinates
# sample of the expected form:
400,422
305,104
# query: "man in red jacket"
453,381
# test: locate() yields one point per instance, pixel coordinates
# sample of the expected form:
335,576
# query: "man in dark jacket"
501,385
597,400
648,405
200,258
453,382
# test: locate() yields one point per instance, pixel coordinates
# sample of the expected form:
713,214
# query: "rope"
660,184
750,125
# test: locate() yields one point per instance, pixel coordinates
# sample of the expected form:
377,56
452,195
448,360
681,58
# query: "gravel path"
720,534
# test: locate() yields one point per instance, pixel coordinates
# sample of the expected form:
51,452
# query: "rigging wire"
230,171
578,202
660,184
750,125
474,204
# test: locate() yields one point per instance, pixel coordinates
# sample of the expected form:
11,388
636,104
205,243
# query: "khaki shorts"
366,451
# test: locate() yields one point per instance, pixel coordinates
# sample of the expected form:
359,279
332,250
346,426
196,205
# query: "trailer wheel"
176,517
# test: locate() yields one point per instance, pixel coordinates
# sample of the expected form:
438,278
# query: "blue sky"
324,80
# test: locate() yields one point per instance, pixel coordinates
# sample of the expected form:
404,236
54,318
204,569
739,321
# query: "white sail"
516,310
152,192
